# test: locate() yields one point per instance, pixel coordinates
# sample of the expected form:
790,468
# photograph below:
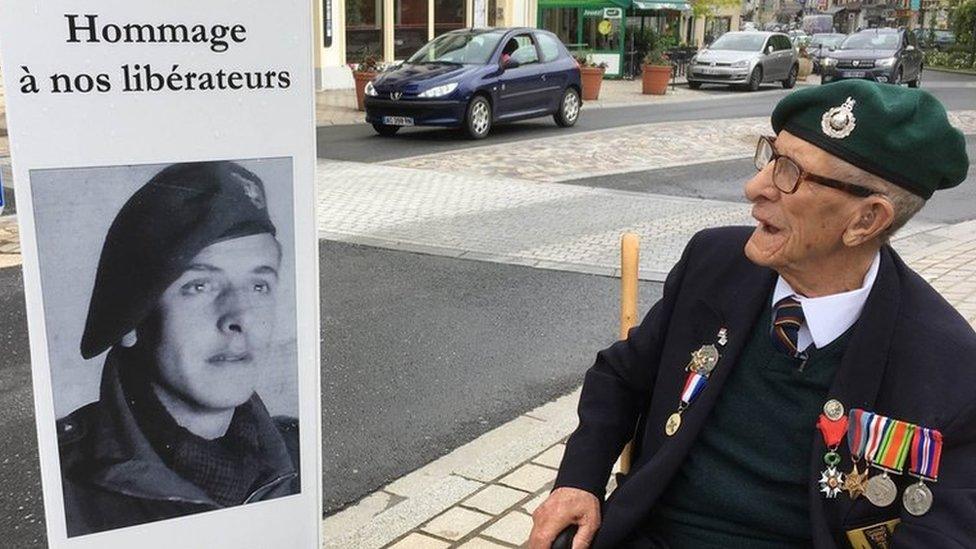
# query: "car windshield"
826,40
871,41
471,47
739,42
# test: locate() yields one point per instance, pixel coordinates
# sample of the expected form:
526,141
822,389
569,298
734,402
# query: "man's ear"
869,221
129,339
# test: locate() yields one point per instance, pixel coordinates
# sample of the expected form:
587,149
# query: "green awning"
584,4
662,5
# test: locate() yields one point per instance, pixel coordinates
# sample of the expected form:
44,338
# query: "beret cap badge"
252,190
839,122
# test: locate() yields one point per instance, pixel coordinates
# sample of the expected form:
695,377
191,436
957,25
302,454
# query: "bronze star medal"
854,482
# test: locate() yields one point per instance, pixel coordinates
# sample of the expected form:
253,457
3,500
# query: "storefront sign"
164,155
593,13
605,27
612,13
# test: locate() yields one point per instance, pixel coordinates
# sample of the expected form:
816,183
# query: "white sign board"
164,156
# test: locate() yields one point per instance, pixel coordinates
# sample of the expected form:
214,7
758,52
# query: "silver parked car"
746,59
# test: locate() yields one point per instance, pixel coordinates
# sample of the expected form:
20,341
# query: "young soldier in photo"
797,385
184,303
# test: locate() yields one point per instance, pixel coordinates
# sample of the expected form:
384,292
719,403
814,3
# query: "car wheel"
477,122
791,78
569,109
385,130
694,85
918,80
755,79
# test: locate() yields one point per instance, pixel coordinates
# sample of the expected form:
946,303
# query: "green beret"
165,224
901,135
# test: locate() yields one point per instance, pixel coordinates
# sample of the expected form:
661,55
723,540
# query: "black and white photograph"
169,292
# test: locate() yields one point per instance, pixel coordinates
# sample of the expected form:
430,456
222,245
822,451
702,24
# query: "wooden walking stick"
629,258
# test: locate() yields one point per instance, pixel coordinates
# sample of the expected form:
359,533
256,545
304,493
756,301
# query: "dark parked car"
474,78
882,55
821,45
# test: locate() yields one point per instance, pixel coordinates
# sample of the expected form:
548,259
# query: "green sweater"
744,482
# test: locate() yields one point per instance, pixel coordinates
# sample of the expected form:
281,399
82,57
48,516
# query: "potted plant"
805,64
591,75
655,72
363,72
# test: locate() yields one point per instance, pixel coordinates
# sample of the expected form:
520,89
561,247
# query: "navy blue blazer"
911,357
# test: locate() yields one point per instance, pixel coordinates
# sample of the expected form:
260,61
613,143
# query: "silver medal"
833,409
881,490
703,360
917,499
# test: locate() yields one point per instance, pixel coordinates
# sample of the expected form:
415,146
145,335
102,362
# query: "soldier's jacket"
113,478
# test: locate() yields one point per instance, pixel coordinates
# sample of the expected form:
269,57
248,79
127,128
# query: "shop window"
364,28
409,27
448,16
563,22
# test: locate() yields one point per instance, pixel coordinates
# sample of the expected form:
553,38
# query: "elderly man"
184,301
796,377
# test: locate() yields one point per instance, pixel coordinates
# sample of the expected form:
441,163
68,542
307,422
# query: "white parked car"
747,59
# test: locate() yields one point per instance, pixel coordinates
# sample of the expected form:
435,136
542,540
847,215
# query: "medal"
694,384
832,430
856,439
926,453
887,449
702,362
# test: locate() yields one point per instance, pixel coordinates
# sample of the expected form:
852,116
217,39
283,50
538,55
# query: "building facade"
391,30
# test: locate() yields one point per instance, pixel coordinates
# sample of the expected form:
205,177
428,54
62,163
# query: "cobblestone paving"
545,225
618,150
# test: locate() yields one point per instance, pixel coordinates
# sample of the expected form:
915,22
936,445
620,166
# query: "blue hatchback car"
474,78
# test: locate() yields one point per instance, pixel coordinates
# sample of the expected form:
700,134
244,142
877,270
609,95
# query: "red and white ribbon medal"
926,453
832,425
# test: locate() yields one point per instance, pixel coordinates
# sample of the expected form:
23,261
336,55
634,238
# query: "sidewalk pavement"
482,494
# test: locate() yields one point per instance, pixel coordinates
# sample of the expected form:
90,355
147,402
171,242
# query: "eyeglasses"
787,174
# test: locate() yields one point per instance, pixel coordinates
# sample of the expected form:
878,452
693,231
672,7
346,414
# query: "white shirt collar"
829,316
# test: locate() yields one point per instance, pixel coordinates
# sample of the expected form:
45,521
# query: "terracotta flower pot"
592,78
654,79
361,79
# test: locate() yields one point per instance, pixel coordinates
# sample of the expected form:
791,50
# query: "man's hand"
563,507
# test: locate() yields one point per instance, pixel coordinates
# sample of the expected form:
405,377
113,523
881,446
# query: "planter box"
361,79
592,78
655,78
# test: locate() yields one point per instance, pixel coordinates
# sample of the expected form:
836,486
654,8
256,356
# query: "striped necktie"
787,319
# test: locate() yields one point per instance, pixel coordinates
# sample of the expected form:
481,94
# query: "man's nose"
234,311
761,185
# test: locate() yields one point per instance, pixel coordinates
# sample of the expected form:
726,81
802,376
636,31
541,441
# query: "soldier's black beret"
183,209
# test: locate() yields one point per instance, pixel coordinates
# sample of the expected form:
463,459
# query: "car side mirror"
910,48
510,63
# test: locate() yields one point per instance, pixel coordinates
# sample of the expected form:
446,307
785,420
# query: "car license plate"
398,121
706,70
854,74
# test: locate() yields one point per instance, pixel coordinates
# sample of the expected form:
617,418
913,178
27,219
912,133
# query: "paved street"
465,284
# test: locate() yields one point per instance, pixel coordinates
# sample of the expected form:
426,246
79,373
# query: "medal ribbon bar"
926,454
857,435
